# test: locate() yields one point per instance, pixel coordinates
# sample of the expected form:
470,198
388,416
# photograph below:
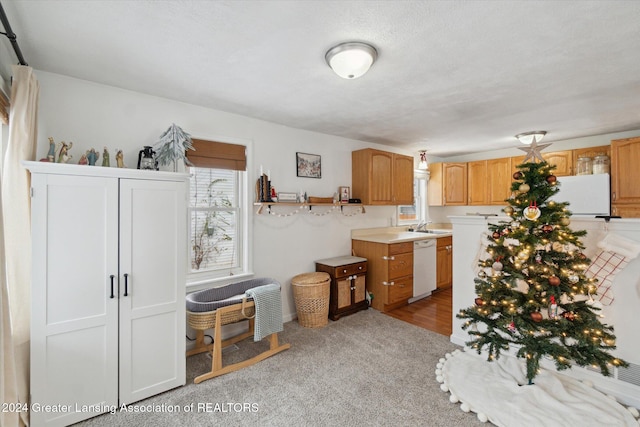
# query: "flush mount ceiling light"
529,137
351,60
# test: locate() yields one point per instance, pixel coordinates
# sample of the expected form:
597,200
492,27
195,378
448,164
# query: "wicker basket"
311,295
207,319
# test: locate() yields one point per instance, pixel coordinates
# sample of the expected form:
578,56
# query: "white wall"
93,115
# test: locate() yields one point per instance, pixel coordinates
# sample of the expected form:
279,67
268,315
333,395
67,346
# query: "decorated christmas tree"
532,291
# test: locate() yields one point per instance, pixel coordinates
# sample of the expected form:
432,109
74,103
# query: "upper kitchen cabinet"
563,160
477,182
625,192
498,180
382,178
447,184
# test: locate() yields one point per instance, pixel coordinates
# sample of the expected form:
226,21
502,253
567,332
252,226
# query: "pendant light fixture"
422,164
351,60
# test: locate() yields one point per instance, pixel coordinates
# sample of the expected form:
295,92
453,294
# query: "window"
214,209
413,214
218,211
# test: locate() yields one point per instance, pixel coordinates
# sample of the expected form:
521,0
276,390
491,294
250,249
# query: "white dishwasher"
424,268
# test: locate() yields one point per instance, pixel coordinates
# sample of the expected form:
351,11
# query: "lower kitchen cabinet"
108,277
389,272
444,262
348,284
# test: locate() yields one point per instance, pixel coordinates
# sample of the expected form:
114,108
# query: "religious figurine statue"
92,156
105,158
51,155
83,160
63,154
120,159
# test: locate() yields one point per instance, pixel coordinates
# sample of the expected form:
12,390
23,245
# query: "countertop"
389,235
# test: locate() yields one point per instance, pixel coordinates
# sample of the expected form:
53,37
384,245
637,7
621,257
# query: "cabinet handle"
353,288
112,276
388,258
126,284
344,271
360,268
388,283
614,196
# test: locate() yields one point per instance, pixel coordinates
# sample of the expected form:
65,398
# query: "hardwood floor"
432,313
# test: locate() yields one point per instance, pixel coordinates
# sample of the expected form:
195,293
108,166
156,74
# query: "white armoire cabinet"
107,300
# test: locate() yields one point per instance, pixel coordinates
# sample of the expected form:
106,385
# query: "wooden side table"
348,280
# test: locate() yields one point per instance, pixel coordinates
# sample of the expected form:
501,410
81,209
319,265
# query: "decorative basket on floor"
311,295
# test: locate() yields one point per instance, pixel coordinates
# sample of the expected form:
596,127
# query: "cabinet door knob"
353,288
360,268
344,271
388,258
613,195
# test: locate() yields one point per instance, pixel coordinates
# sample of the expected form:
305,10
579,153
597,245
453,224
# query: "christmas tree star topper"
533,151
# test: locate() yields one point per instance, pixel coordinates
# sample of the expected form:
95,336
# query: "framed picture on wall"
345,194
308,165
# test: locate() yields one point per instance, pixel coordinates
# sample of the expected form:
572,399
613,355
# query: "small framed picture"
345,194
287,197
308,165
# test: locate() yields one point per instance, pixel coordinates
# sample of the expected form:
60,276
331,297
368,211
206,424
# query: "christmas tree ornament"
569,315
482,274
551,179
533,152
565,221
554,281
547,228
508,210
524,187
536,316
497,266
517,175
512,327
553,308
523,255
573,278
505,231
531,212
495,235
538,258
515,225
479,302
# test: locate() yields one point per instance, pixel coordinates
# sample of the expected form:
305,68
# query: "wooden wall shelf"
305,206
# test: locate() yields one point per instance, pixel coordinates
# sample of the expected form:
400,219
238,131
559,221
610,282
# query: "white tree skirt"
498,392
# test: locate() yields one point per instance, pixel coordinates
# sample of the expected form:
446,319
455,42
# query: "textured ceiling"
452,77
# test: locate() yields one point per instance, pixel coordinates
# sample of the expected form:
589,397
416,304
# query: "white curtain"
15,245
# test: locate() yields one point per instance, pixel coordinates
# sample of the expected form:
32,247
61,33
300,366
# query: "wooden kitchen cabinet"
444,262
389,272
625,174
499,178
382,178
447,184
477,182
348,284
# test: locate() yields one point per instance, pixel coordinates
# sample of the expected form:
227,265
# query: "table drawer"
350,269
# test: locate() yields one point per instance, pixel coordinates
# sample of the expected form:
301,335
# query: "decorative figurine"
120,159
105,158
83,160
63,154
92,156
51,155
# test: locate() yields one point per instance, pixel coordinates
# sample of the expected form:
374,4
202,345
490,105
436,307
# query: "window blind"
217,155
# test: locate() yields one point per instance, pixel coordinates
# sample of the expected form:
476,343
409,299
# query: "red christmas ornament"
569,315
517,175
547,228
506,231
536,316
496,235
554,280
479,302
551,179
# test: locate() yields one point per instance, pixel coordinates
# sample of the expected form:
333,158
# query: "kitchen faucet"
422,225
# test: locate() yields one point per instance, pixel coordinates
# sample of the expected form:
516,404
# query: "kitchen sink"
431,231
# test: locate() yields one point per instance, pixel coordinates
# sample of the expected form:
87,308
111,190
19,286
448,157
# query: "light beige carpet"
367,369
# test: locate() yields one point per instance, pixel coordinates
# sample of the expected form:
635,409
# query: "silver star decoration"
533,151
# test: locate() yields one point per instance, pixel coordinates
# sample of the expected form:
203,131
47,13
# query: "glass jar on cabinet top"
601,164
584,166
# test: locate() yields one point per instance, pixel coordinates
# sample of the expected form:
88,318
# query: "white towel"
268,310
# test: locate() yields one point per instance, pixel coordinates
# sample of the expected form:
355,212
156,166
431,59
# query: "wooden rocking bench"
226,314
